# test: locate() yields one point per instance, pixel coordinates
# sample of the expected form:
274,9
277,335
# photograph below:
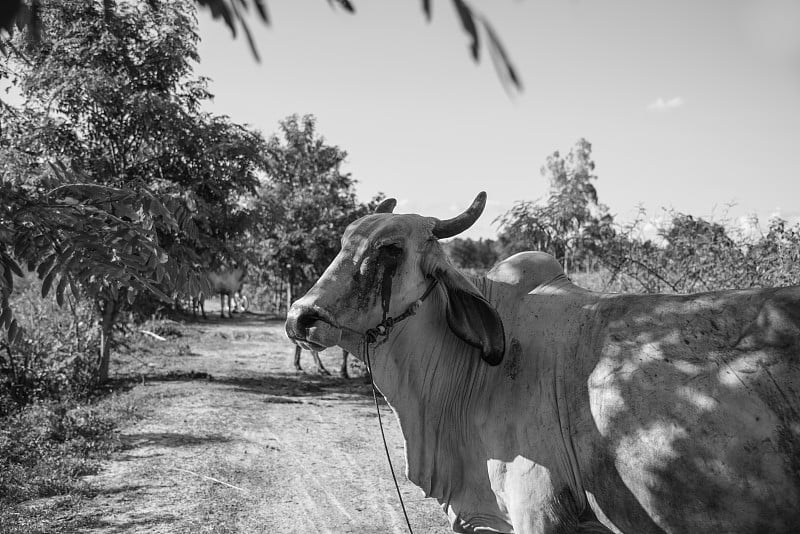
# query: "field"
228,437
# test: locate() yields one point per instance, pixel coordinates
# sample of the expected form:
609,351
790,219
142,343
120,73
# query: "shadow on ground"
168,439
298,385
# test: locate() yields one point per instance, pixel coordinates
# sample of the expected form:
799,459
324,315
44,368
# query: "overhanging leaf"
469,26
62,284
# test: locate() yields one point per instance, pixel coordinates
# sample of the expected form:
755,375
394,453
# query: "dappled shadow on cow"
555,435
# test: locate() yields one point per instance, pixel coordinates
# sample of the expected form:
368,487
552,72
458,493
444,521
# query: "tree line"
687,254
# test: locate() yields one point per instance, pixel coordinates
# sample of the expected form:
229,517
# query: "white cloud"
661,104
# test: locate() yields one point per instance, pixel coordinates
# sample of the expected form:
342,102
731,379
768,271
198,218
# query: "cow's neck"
435,383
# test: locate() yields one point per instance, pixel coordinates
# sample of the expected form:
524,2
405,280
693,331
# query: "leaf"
47,282
426,8
12,331
261,7
5,317
9,262
344,4
247,33
62,285
468,23
9,281
46,265
74,289
500,52
219,8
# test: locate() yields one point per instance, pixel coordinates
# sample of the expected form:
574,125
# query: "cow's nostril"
308,318
300,319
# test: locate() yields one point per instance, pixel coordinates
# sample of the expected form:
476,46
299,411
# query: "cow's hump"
527,270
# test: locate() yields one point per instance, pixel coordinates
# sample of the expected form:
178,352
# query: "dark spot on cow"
777,325
373,280
512,362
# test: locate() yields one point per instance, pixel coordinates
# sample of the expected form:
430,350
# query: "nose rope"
383,329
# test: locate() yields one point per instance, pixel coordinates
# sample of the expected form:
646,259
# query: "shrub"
697,255
55,357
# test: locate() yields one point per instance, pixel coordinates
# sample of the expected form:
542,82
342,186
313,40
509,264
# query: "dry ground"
232,439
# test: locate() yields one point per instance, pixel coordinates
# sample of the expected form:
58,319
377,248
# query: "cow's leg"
222,305
320,367
297,351
344,364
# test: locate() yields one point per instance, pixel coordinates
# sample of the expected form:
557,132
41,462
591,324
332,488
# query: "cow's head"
390,259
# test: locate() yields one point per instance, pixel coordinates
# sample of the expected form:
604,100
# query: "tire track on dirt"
398,525
332,498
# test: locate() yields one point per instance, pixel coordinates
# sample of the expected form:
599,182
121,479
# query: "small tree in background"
303,206
570,222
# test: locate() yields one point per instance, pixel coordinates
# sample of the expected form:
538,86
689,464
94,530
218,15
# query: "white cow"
530,405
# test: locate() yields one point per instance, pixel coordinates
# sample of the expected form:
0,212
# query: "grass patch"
45,450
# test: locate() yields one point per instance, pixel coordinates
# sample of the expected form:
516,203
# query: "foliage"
699,255
570,223
54,357
27,15
115,182
474,255
304,206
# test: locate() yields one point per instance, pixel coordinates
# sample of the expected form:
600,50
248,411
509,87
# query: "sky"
689,105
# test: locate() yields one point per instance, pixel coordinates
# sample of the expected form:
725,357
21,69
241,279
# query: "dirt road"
258,447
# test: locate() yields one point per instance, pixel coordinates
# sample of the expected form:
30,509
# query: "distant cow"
225,282
320,367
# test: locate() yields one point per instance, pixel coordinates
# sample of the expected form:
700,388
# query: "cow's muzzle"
312,327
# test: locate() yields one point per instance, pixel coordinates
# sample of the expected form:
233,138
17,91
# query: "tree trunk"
288,296
108,310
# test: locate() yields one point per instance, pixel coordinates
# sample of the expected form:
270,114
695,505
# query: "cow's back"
228,281
695,409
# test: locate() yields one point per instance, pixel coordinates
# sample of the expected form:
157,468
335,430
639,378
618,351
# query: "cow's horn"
458,224
387,206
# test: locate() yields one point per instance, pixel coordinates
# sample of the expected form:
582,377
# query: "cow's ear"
471,317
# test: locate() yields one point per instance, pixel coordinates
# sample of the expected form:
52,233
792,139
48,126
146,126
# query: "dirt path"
260,448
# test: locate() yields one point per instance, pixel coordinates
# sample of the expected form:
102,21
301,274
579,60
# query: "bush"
55,357
697,255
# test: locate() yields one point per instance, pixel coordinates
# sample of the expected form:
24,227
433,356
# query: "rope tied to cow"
383,329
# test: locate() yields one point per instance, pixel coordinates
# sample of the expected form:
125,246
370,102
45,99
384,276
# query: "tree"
119,183
304,205
570,221
475,255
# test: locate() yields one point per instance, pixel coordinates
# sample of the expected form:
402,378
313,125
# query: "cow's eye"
391,252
